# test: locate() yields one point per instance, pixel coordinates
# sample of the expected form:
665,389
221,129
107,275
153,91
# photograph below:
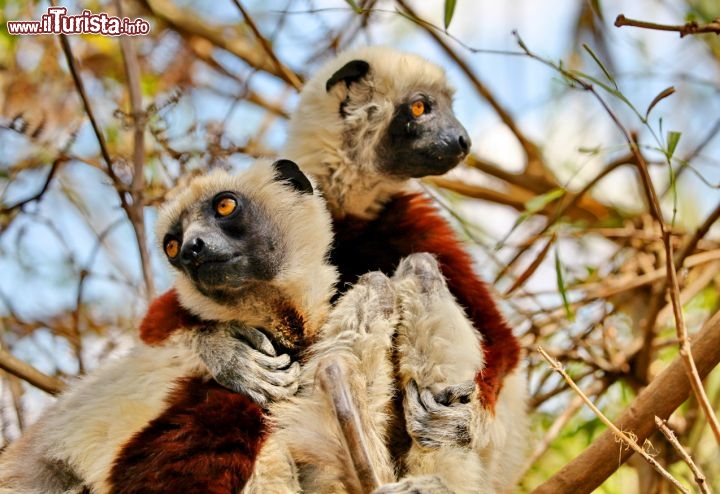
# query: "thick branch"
660,398
28,373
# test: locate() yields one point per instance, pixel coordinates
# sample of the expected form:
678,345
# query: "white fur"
341,153
80,436
87,427
437,347
358,336
304,228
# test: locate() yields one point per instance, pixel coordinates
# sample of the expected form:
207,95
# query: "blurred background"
595,151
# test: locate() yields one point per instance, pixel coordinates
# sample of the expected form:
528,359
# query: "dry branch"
660,398
137,188
619,433
184,22
670,435
691,27
28,373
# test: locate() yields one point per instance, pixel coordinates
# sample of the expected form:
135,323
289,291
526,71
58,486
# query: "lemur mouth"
436,164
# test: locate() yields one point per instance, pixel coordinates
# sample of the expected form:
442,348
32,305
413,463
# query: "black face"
424,138
227,243
224,243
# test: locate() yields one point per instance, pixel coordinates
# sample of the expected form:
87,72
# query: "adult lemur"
251,249
368,122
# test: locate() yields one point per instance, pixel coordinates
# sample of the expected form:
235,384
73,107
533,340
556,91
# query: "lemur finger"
256,338
427,399
412,395
283,377
456,394
280,362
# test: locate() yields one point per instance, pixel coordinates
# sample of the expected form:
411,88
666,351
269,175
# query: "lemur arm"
409,224
500,346
239,358
242,359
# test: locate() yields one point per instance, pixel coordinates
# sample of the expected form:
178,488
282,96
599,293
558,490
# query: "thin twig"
684,343
38,195
535,165
618,433
691,27
670,435
654,206
137,187
286,73
80,86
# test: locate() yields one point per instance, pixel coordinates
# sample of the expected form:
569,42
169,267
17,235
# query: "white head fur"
304,275
341,149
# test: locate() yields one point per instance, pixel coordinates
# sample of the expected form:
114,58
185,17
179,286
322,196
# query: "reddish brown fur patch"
408,224
205,442
164,316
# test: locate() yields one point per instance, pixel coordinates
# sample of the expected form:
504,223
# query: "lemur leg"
274,471
504,448
358,338
243,360
439,353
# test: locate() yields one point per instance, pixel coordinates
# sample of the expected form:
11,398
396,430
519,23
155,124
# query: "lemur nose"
191,250
464,142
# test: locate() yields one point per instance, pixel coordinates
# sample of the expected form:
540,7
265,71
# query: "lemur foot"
442,419
368,307
242,359
424,268
426,484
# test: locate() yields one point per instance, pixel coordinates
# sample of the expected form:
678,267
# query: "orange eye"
417,108
225,206
172,248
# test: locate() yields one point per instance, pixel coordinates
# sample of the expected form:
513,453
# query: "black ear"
351,72
288,171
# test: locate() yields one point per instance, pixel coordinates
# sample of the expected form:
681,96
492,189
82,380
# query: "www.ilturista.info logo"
56,21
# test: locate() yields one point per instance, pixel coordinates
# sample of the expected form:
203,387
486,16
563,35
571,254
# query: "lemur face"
421,135
225,242
423,138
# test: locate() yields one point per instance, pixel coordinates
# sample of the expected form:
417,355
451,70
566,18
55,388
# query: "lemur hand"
242,359
441,419
426,484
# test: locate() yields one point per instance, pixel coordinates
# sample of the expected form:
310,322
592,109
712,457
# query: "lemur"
368,122
251,252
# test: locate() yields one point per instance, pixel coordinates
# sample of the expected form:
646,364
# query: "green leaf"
538,203
672,141
449,11
357,9
561,287
601,65
661,96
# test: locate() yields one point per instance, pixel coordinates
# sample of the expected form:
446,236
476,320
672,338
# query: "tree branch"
660,398
137,187
28,373
691,27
